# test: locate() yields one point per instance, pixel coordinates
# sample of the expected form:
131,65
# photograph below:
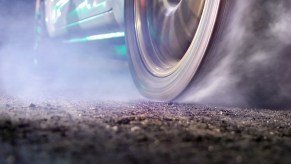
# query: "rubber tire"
146,82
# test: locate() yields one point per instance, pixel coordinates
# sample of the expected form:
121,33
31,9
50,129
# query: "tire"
165,57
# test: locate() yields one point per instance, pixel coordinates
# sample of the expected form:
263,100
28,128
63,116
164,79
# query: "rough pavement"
110,132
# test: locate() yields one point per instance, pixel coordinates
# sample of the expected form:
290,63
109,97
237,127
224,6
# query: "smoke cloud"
250,63
90,72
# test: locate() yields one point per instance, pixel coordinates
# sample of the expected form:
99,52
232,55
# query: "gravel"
148,132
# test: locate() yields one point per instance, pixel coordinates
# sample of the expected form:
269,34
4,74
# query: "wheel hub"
171,26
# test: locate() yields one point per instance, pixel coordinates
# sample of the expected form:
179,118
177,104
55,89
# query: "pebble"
210,148
10,159
115,128
32,105
135,128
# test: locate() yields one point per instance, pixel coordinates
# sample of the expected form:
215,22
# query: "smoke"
249,65
91,72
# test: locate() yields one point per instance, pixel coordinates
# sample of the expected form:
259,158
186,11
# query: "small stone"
32,105
10,159
107,126
135,128
238,159
210,148
145,122
124,121
115,128
93,108
170,103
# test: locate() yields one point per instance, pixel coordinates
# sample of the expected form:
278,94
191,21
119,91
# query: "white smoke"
61,71
250,63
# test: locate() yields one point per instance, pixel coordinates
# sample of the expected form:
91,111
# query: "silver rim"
172,37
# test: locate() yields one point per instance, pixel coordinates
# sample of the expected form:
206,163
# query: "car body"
79,19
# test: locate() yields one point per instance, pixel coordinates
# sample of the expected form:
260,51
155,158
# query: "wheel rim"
161,75
171,27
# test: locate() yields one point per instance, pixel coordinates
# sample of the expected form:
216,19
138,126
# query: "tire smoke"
249,65
57,70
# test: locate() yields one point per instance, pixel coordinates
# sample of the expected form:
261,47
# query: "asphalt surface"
145,132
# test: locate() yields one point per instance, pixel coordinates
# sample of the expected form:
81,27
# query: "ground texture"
85,132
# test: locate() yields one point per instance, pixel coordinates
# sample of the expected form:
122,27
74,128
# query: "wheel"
167,41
